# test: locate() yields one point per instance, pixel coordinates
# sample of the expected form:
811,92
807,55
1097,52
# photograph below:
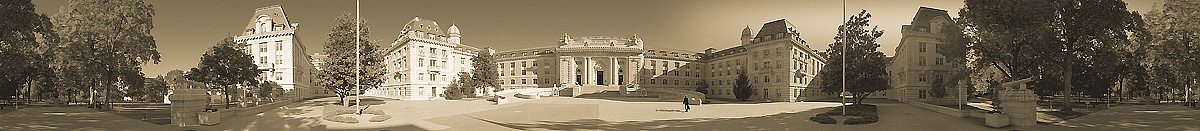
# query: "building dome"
746,31
453,29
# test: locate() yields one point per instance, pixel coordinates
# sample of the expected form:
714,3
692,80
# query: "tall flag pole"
357,60
844,44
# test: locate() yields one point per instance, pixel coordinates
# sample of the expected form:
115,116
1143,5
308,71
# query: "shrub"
342,119
823,119
862,120
374,112
380,118
341,111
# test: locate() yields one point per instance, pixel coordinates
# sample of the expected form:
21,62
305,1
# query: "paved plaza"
560,113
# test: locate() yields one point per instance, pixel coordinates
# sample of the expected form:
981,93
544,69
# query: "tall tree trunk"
1067,93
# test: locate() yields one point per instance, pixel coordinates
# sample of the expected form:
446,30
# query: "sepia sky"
184,30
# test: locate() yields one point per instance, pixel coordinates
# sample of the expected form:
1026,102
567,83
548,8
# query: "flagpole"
357,60
844,44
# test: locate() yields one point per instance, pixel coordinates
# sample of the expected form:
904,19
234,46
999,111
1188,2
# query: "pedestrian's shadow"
669,110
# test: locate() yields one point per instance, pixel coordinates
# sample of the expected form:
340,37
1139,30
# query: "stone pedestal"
1020,104
185,104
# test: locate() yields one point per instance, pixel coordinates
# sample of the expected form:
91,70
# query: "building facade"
917,62
423,61
270,38
778,62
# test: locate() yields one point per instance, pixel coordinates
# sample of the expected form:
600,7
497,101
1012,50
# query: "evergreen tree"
938,88
702,86
338,74
865,72
742,89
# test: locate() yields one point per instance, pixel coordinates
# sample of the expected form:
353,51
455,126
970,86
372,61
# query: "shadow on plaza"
614,96
783,121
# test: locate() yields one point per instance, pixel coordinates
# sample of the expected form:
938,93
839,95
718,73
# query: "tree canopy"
865,73
225,65
338,74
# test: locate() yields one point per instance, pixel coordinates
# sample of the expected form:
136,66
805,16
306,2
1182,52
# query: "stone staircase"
573,91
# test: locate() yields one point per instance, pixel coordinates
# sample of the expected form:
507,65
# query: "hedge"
823,120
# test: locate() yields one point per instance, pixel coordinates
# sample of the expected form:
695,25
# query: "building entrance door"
600,78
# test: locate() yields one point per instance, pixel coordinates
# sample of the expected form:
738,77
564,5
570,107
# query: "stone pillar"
186,104
1019,104
566,73
589,71
613,69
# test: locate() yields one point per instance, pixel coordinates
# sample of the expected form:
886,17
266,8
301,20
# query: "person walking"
685,104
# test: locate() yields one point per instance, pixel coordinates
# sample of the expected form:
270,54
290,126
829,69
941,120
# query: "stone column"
632,69
589,71
613,69
566,73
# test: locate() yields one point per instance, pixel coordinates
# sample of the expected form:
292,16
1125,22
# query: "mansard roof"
275,12
423,25
775,27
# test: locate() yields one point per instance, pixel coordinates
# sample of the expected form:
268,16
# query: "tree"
108,38
152,89
225,65
461,87
938,87
741,87
27,40
339,73
1177,35
265,89
484,73
865,73
702,86
1056,41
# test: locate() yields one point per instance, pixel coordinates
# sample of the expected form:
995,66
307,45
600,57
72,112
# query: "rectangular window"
938,61
278,59
279,45
922,46
921,61
262,47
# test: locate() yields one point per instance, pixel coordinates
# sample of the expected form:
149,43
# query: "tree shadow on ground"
783,121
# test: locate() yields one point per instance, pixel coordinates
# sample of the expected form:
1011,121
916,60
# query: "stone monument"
1019,103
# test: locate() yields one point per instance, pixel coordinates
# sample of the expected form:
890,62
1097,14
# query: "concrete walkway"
589,115
73,118
1135,118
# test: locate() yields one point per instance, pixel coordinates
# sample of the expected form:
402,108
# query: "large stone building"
423,61
917,62
779,63
272,41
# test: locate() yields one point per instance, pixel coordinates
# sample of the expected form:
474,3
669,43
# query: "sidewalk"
1135,117
73,118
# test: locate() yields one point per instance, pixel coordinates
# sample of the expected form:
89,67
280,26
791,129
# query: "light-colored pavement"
1135,118
73,118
